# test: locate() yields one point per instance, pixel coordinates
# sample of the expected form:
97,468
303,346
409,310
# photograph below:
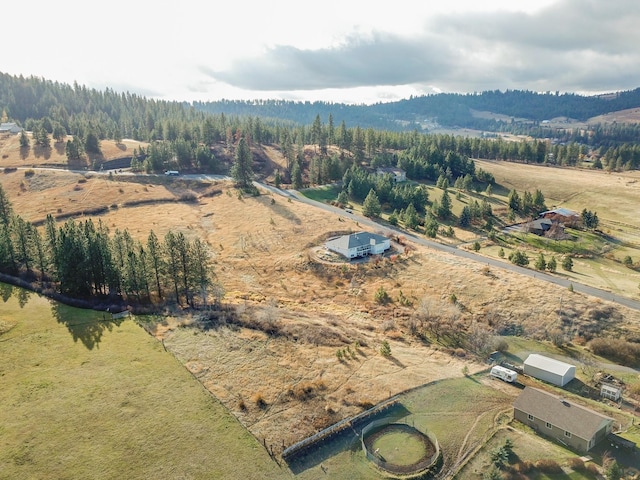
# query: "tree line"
82,259
182,136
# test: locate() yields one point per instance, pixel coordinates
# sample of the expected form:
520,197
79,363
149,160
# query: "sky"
347,51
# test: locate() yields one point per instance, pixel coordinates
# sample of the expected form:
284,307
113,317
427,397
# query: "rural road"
472,256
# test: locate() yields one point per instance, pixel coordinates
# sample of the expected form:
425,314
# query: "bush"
29,173
381,296
548,466
577,464
519,258
523,466
385,349
593,469
616,349
259,400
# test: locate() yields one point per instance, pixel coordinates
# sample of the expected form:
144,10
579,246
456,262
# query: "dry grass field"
287,385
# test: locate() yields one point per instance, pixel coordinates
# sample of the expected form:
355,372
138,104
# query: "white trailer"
503,374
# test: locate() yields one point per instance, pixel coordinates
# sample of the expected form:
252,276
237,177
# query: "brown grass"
261,256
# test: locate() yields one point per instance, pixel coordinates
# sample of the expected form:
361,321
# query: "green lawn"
87,398
321,194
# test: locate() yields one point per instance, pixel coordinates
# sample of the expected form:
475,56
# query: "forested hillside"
184,137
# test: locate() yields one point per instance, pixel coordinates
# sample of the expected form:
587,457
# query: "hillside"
264,258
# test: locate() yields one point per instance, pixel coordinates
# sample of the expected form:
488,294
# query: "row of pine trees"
82,259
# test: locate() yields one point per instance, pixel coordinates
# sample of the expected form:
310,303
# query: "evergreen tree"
242,169
552,265
92,143
155,261
465,217
371,206
444,207
540,263
24,140
567,263
296,175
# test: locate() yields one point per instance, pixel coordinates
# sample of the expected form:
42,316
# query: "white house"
398,174
10,128
359,244
548,369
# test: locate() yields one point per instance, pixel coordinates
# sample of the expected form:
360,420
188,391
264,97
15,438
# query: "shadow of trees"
86,326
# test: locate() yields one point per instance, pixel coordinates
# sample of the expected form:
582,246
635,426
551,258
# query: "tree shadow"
60,147
24,152
88,328
42,152
22,294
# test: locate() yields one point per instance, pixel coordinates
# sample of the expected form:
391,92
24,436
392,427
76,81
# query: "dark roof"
568,416
541,224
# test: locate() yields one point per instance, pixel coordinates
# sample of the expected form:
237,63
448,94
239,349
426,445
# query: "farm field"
84,397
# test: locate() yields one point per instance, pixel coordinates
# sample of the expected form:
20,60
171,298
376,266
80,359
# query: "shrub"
593,469
381,296
519,258
523,466
385,349
241,405
548,466
259,400
577,464
617,349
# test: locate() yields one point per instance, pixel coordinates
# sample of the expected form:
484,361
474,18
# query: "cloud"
571,45
361,60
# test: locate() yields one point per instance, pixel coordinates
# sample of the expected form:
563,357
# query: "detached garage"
549,370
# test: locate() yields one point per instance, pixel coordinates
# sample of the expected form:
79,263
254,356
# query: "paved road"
472,256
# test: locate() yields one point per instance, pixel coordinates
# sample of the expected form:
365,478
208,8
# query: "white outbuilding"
549,370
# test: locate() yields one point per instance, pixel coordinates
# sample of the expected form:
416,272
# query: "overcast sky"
352,51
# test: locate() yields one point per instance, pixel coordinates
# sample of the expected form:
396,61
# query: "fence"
416,468
298,449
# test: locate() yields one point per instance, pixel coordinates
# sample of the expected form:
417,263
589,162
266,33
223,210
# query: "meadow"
86,397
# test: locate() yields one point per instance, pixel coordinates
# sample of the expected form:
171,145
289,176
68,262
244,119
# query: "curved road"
295,195
556,280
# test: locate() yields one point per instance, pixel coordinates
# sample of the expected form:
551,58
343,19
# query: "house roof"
355,240
548,364
9,127
541,224
565,212
568,416
393,170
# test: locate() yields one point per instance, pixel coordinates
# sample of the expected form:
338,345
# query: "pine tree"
371,206
465,217
242,169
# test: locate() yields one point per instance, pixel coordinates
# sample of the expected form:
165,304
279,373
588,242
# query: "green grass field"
85,398
398,447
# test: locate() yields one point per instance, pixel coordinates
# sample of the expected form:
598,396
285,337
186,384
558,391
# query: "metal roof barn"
549,370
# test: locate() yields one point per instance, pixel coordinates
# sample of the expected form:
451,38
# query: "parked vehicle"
173,173
504,374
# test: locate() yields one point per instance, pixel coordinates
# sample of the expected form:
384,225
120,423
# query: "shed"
610,391
549,370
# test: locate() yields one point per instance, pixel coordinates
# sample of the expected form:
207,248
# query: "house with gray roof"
10,128
578,427
359,244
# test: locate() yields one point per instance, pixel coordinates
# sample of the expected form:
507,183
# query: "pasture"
85,397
